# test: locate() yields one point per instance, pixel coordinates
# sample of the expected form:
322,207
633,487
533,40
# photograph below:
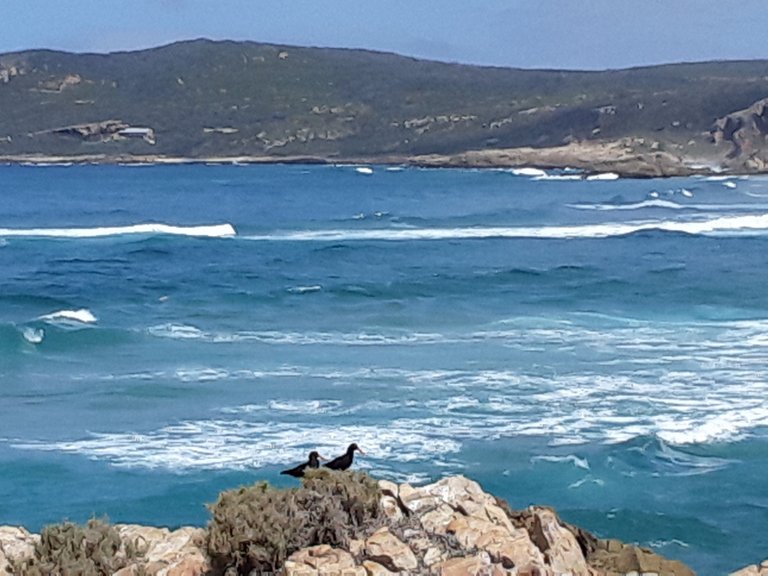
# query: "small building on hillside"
147,134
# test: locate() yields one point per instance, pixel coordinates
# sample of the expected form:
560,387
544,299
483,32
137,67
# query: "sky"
572,34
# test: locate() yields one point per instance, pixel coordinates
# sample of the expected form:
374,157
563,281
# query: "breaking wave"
754,224
209,231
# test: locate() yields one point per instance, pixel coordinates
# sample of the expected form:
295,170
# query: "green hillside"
204,98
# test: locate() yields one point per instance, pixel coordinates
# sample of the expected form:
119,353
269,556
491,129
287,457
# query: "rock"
15,543
385,548
743,133
167,553
754,570
477,565
322,560
389,488
391,508
450,527
509,547
607,559
559,545
375,569
438,519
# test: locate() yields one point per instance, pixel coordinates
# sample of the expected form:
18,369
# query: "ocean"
600,346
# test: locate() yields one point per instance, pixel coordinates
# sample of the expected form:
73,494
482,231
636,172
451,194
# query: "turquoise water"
599,346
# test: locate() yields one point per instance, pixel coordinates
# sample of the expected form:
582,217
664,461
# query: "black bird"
298,471
345,460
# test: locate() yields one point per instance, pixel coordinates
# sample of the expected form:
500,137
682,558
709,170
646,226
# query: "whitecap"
215,231
215,445
538,172
653,203
582,463
366,170
561,177
81,316
33,335
177,331
304,406
201,374
603,176
586,480
717,226
305,289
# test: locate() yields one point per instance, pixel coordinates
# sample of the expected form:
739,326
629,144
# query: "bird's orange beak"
321,457
361,451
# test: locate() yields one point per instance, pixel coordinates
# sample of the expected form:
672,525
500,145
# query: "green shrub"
256,528
68,549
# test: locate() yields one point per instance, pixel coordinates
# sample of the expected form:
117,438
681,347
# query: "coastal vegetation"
201,99
255,528
337,522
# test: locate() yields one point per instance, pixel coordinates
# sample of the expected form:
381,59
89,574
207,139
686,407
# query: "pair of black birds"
339,463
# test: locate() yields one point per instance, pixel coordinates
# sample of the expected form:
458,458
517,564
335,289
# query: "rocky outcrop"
628,158
744,137
15,543
448,528
452,528
753,570
92,131
163,552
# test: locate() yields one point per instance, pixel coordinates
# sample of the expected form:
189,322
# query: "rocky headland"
451,528
205,101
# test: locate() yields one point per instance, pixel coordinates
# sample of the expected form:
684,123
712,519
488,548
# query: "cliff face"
449,528
743,137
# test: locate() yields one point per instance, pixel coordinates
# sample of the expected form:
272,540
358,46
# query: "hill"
202,99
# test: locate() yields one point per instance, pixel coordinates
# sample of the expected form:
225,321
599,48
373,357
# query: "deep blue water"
598,346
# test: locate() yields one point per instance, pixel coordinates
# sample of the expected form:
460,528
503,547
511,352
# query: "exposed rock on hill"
746,132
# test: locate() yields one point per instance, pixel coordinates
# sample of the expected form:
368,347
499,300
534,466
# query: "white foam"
563,177
653,203
177,331
305,289
700,383
729,184
81,316
587,480
582,463
726,426
604,176
201,374
537,172
242,445
33,335
723,225
213,231
366,170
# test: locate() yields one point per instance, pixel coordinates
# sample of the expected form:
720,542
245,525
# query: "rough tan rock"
176,553
477,565
753,570
322,560
375,569
15,543
391,508
438,519
559,545
386,549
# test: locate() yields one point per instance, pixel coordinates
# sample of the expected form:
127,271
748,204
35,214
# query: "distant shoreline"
588,159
